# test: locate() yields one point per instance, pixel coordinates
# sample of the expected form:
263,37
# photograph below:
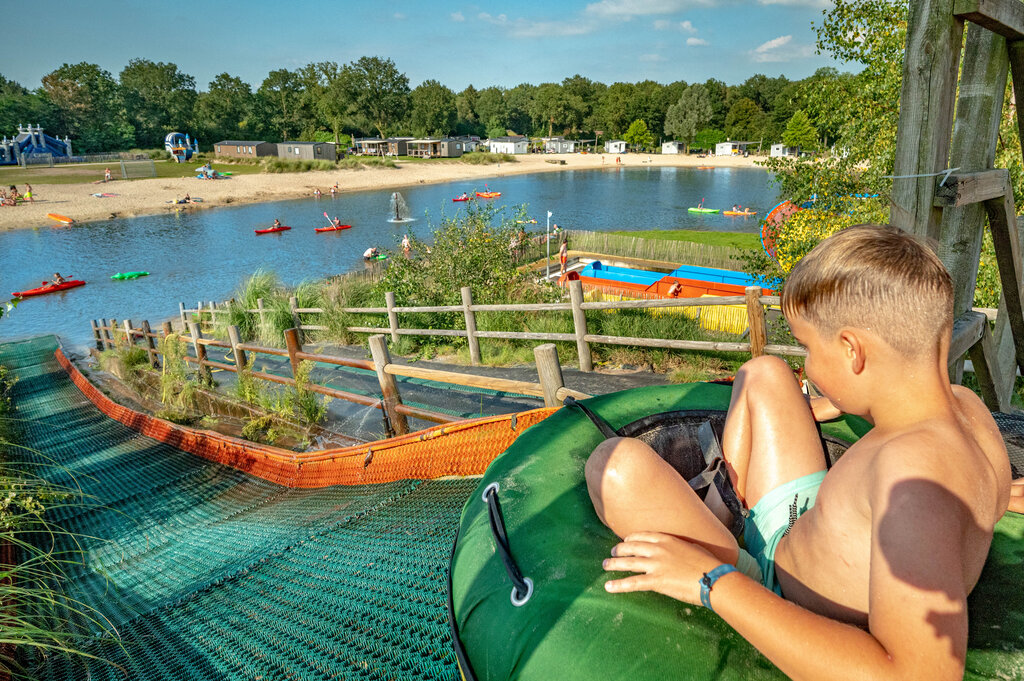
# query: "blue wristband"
708,581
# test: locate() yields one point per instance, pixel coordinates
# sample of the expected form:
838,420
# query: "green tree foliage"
337,102
638,135
799,132
88,107
381,93
158,99
617,109
314,79
717,91
691,113
224,110
519,108
745,121
555,108
19,106
708,137
434,109
468,122
492,112
277,105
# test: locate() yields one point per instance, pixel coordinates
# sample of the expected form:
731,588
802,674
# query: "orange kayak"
739,212
60,218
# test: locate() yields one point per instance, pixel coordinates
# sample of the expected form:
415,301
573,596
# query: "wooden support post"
1007,240
291,341
388,384
184,319
150,345
200,349
96,334
549,371
756,321
293,303
389,300
129,335
467,309
112,323
259,311
239,354
992,379
579,320
930,65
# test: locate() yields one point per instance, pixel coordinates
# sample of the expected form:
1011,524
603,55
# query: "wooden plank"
1004,17
664,302
674,344
962,189
431,332
429,308
994,390
368,329
1003,223
930,64
785,350
756,323
425,415
967,331
277,352
365,310
524,307
312,327
569,392
469,380
527,335
337,361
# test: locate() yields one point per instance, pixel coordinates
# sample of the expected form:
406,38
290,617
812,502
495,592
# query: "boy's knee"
614,463
766,368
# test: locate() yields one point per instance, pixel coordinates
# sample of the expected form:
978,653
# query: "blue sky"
457,43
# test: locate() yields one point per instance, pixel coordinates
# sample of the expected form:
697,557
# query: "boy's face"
824,364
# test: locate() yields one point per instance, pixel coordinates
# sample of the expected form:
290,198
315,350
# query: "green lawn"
727,239
84,173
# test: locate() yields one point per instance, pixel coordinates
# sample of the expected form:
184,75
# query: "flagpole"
547,232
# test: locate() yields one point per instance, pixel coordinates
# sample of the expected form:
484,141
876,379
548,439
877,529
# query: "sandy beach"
153,196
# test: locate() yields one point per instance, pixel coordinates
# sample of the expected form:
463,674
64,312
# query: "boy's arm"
917,604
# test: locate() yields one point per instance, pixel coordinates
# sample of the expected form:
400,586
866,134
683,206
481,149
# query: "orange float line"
455,449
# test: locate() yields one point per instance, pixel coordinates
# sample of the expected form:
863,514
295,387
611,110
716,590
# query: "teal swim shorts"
768,523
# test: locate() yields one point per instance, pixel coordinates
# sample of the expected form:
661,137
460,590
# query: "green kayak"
129,275
703,210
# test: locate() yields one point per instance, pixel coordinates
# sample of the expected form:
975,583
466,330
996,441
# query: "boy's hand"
823,410
1017,496
668,565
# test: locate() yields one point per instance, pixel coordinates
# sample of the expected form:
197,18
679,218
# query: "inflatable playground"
180,146
30,145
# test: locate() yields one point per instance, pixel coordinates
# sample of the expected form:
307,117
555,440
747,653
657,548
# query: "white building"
672,147
508,145
615,147
783,150
731,148
559,145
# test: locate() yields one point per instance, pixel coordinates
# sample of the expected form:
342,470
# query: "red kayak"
463,198
71,283
271,230
333,228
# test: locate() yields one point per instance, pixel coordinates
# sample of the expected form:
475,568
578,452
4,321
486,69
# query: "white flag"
549,213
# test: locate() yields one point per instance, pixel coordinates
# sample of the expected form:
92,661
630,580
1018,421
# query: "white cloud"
651,57
523,28
684,26
627,9
687,27
457,16
696,41
661,24
780,49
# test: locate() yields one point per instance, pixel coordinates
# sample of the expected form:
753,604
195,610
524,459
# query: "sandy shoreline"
151,196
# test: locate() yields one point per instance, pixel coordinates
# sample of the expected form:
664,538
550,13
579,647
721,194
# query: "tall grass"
479,158
673,252
283,165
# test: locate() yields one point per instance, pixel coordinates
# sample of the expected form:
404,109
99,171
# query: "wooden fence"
550,388
669,252
753,300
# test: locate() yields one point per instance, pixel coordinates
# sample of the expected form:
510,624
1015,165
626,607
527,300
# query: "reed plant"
283,165
487,158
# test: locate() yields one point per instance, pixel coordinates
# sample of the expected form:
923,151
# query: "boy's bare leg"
770,437
635,490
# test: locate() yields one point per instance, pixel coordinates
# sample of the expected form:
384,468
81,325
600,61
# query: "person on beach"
28,193
871,561
316,192
107,177
334,189
563,255
406,245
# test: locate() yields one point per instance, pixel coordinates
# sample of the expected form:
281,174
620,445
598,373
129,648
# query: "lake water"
204,255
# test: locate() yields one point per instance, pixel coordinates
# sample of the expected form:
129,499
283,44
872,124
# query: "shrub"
487,158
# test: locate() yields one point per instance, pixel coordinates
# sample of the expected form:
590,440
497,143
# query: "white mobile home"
732,148
508,145
783,150
672,147
615,147
559,145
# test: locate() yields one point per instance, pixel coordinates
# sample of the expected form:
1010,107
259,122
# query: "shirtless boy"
871,581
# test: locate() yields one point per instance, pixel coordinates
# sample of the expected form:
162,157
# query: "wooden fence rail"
108,334
753,300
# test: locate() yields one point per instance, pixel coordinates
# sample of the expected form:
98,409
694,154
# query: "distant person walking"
107,177
406,245
563,255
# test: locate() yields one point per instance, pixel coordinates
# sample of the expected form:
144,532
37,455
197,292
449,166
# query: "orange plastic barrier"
461,448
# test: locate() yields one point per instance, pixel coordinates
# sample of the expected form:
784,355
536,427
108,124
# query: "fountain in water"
399,209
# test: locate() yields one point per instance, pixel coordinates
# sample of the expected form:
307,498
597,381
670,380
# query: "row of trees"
370,96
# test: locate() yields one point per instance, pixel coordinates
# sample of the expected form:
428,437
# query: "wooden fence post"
388,384
579,321
293,303
756,321
150,345
389,300
129,335
184,319
107,333
259,311
239,353
549,372
204,372
96,335
112,323
167,329
474,342
291,341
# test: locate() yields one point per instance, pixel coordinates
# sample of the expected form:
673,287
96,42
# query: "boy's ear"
853,349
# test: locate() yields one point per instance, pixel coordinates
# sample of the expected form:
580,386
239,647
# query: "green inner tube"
129,275
572,629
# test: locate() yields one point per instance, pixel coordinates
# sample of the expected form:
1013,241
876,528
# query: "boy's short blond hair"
874,277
